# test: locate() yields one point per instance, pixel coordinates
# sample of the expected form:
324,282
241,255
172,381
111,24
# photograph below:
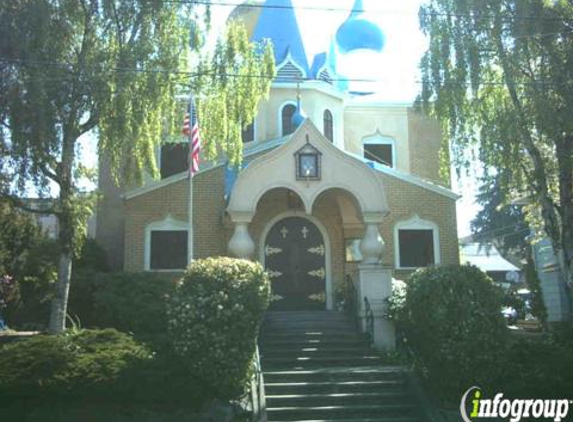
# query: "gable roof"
259,147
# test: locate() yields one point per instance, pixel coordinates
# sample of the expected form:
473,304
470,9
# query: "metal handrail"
369,318
257,394
351,300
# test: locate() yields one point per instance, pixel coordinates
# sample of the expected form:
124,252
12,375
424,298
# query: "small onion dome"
299,115
359,32
248,14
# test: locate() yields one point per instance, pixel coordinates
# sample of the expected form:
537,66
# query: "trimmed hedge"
451,319
214,319
73,363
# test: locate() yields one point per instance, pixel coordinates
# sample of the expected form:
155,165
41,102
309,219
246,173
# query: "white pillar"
372,245
241,244
376,285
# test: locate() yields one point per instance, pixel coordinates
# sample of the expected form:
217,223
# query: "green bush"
74,363
214,318
128,302
538,367
452,321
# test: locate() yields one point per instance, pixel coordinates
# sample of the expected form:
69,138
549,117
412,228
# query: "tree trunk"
59,305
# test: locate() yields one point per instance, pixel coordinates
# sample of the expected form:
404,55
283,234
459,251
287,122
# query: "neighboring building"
488,259
355,171
49,222
553,287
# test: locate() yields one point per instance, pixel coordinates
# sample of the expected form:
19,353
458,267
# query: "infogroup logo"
515,409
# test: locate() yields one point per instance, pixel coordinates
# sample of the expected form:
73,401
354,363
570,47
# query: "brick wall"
425,142
213,230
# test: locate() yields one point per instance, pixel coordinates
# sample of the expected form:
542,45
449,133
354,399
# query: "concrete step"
340,374
337,399
360,412
320,361
309,341
315,351
333,387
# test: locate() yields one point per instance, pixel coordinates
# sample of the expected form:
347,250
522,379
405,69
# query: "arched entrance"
295,255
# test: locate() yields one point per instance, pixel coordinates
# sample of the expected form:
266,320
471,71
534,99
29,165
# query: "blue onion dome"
299,115
359,32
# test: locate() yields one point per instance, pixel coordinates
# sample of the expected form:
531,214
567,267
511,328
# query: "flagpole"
192,126
190,214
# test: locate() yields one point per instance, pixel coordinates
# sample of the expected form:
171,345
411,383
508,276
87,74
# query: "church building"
334,182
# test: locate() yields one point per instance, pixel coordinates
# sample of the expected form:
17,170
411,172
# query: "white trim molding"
329,285
416,223
167,224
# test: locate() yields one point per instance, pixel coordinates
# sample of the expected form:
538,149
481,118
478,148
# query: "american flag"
191,130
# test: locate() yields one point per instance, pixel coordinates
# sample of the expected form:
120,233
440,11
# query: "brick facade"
213,229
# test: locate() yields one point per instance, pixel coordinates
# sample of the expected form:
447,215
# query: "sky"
397,73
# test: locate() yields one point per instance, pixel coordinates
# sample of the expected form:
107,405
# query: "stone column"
241,244
372,245
375,283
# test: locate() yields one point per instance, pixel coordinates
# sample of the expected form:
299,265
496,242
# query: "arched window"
166,245
248,133
416,243
328,126
286,119
380,149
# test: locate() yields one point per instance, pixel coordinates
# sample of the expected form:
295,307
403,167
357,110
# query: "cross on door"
284,232
304,232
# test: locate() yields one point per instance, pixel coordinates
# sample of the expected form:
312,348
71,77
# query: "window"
168,250
328,126
166,245
286,119
416,248
416,243
248,133
174,159
353,253
380,149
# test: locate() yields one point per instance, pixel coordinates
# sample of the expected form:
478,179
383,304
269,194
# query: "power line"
213,73
340,9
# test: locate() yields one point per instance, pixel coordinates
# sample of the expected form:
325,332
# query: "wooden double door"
295,258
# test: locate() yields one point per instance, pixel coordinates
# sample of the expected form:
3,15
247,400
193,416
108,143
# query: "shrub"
76,363
128,302
452,321
215,314
540,368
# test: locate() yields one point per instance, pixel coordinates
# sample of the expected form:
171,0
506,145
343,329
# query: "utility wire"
120,70
374,11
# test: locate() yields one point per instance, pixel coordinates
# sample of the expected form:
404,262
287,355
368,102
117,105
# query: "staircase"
318,368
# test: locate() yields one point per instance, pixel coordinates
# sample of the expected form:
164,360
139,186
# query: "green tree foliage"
232,82
27,256
498,74
73,67
500,224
